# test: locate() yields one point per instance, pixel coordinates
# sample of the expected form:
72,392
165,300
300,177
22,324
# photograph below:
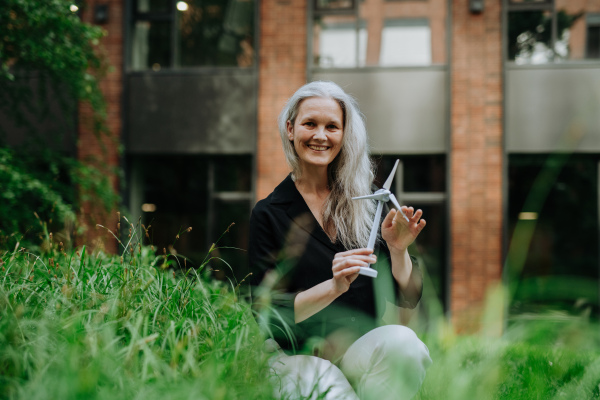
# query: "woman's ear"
290,130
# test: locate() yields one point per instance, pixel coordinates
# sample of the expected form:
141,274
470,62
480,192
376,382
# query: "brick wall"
282,70
476,159
102,150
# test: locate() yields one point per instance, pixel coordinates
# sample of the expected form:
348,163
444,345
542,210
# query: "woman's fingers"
347,271
363,251
418,214
349,262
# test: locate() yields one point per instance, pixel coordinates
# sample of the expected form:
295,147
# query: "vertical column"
101,149
282,70
476,159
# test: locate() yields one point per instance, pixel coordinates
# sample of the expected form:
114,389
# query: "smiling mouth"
317,148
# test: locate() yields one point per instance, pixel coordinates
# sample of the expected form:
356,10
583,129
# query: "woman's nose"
320,133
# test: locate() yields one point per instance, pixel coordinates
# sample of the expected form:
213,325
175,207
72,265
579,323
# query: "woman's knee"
400,342
309,377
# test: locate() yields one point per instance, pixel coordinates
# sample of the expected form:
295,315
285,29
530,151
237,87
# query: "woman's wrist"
335,290
397,251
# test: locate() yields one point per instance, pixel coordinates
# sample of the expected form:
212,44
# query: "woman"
307,244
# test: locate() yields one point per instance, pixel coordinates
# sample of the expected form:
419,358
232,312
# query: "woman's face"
317,132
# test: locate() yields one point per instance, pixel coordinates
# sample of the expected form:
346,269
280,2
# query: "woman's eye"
332,127
309,123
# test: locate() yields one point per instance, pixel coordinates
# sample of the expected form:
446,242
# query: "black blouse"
289,252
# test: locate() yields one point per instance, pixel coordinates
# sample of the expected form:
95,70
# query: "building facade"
491,106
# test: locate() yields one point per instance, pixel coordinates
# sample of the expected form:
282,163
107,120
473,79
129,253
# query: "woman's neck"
314,188
313,182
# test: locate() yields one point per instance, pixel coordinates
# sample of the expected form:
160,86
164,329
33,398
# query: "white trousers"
388,362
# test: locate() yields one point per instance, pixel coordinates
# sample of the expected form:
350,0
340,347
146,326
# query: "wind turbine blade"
375,227
397,205
375,196
388,183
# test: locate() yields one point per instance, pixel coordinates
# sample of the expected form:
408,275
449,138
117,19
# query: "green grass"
79,325
477,367
75,324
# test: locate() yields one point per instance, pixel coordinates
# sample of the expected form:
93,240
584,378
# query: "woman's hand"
400,233
346,265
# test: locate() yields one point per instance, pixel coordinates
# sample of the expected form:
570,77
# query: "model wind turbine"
383,195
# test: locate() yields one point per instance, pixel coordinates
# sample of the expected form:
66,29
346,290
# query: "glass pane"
530,37
175,197
424,173
531,1
151,47
153,6
591,20
335,42
570,33
233,243
217,33
331,5
593,42
561,266
233,173
421,173
405,42
430,247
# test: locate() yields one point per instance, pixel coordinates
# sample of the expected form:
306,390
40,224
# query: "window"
208,193
342,44
405,42
593,36
547,194
354,34
541,32
192,33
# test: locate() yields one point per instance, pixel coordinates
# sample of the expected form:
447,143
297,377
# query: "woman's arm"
345,267
399,234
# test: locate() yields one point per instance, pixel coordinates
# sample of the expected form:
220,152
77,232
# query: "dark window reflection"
543,36
593,36
334,5
170,34
217,33
561,268
232,246
529,36
233,173
175,193
153,6
421,173
152,45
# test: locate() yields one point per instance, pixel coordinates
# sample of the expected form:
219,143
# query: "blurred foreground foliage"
75,324
79,325
550,356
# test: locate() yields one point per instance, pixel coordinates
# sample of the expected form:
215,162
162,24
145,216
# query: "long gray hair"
350,174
